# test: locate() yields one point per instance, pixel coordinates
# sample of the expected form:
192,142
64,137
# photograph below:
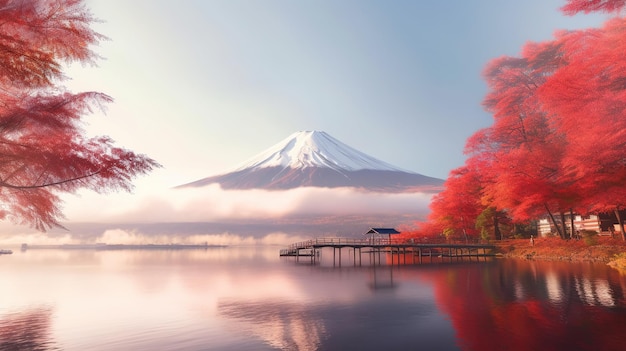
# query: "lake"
249,298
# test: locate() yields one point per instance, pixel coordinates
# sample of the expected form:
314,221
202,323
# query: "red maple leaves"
43,149
559,132
574,6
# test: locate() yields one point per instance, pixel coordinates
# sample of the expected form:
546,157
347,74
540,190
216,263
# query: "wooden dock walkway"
310,248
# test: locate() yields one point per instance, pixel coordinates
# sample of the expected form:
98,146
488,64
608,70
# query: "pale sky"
203,85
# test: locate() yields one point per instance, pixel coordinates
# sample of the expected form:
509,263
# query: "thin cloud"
211,203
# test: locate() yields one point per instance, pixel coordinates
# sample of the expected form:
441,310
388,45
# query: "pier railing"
331,241
309,243
428,247
358,242
338,241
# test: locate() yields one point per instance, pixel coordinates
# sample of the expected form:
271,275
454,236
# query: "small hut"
380,232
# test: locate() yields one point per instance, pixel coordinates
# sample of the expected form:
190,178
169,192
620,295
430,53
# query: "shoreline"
605,250
102,246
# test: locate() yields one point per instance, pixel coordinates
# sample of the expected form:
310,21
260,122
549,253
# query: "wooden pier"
397,248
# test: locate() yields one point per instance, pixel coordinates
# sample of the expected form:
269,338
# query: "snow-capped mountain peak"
315,149
315,159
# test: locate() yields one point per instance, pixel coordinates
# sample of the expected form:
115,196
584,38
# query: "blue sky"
201,86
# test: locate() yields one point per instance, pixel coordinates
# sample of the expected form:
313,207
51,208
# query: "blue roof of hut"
382,231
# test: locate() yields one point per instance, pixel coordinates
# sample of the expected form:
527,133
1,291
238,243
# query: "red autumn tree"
559,131
43,147
427,231
456,208
588,100
520,154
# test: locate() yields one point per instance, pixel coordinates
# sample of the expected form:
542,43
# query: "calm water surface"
247,298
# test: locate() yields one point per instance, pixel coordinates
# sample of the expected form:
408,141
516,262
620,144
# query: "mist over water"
135,237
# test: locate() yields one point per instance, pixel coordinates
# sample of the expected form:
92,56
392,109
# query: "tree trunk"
556,225
621,223
571,222
496,228
564,226
464,231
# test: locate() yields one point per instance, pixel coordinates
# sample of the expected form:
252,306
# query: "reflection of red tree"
507,308
28,330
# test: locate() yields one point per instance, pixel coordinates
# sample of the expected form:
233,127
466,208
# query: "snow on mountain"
315,149
316,159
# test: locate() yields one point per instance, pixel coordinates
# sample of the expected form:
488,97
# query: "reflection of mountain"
537,306
26,330
375,323
283,325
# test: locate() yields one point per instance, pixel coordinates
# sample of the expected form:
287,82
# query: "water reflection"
289,323
250,299
283,325
520,305
505,304
381,278
377,323
28,330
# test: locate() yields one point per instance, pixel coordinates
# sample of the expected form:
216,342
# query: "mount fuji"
316,159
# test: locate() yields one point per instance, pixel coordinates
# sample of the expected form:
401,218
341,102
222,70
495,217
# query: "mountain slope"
315,159
314,149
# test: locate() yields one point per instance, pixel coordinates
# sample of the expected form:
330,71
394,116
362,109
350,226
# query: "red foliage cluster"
456,215
43,149
559,132
575,6
425,232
